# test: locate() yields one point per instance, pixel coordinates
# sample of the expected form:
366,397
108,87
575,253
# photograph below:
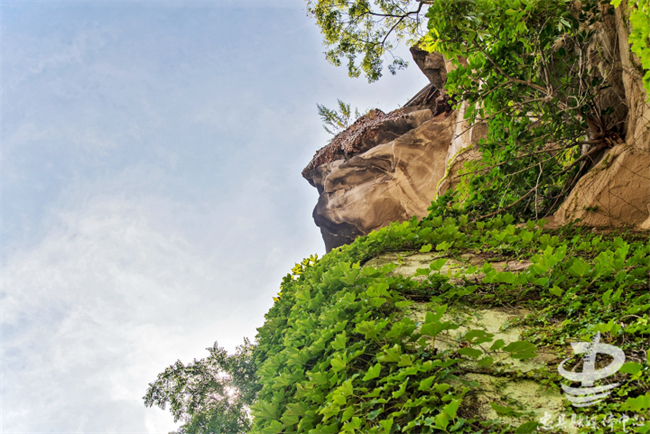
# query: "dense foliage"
341,351
639,11
211,395
370,29
525,68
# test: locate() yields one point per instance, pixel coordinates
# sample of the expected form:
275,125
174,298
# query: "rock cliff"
389,167
384,168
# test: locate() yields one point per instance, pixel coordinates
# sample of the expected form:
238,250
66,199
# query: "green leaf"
274,428
373,372
352,426
486,362
435,328
386,424
340,341
426,383
376,301
442,420
452,408
426,248
369,329
579,268
505,277
436,314
373,414
526,237
631,368
346,388
557,291
438,264
521,350
347,414
637,404
644,429
338,363
497,345
378,290
441,388
404,304
405,360
504,410
402,389
471,352
477,337
527,427
391,355
265,410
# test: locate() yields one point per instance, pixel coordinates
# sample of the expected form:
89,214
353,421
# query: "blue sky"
151,191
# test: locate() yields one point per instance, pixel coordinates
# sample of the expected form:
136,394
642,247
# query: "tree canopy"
362,32
211,395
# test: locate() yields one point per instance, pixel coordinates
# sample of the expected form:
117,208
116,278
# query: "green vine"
341,350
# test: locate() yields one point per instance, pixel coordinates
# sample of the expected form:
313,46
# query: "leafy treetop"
363,31
211,395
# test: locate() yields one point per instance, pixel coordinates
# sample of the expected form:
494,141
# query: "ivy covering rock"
342,351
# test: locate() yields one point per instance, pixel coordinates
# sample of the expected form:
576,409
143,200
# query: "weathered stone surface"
390,182
615,192
433,65
370,130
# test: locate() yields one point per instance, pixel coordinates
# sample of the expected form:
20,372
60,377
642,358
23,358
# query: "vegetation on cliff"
639,11
342,350
526,69
535,72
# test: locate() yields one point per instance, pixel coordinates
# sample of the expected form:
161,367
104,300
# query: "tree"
211,395
370,29
336,121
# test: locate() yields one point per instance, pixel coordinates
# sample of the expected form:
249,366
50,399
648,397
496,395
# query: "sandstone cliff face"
385,167
392,181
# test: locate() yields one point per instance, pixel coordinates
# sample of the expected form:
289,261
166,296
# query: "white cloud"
152,193
97,308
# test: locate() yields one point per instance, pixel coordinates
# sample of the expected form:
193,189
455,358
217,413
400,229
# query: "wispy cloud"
152,198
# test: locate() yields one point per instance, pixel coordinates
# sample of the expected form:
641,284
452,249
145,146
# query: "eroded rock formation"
385,167
392,181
